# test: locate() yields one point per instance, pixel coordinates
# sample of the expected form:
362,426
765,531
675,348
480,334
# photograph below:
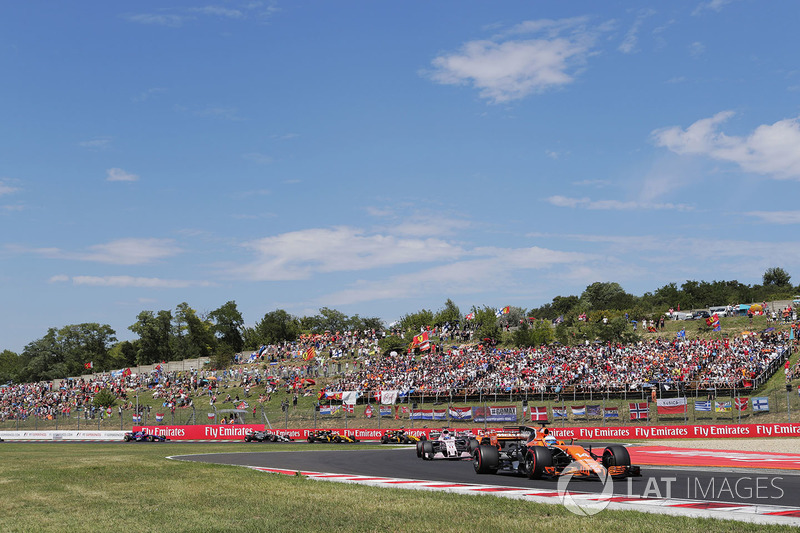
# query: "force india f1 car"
447,446
143,436
265,436
538,454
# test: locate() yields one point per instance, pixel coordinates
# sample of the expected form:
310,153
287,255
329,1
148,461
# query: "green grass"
103,487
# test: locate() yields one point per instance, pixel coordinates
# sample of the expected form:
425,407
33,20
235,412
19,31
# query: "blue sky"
380,157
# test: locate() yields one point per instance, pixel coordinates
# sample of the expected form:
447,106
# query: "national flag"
639,410
722,407
349,408
211,416
439,414
539,414
760,403
578,410
470,316
460,413
137,418
386,410
559,412
127,372
159,417
405,410
243,405
703,405
506,310
741,403
89,365
593,410
671,406
310,353
368,411
611,412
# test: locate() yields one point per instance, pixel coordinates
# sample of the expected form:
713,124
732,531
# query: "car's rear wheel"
486,460
419,448
384,439
427,450
127,438
150,438
536,460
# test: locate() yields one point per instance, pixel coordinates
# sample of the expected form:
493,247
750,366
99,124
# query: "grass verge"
113,487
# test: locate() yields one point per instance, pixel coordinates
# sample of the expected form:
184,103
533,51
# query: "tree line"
182,333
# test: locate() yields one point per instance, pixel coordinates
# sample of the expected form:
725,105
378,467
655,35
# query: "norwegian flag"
639,410
539,414
741,403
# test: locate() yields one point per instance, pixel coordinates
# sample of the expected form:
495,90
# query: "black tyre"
427,450
150,438
248,438
536,460
310,439
384,439
337,438
419,448
616,455
486,460
127,438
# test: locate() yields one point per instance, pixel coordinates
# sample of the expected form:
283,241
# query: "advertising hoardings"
495,413
709,431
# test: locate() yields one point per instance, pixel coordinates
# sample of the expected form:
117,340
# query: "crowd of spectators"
353,360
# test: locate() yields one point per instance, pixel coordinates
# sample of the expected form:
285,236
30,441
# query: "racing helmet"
549,440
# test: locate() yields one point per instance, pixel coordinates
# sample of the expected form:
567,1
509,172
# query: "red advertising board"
710,431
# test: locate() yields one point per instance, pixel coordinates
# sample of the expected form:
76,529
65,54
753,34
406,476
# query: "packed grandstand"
351,362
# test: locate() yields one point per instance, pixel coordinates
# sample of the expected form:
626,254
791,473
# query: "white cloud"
776,217
711,5
117,174
493,269
505,70
157,19
130,281
299,254
100,143
619,205
118,252
5,188
631,40
771,149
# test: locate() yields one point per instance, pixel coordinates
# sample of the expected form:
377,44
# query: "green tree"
104,398
487,326
276,326
449,313
607,295
777,278
10,366
193,337
228,326
155,334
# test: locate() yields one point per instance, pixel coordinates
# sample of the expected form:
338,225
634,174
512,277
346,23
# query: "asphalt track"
738,486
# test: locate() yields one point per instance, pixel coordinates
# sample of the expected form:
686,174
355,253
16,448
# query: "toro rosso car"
265,436
447,446
399,436
538,454
326,435
143,436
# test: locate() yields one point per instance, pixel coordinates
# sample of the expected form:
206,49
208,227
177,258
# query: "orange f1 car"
537,454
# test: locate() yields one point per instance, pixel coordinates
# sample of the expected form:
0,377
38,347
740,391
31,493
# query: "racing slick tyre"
486,460
616,455
536,460
310,439
127,438
419,448
427,451
473,445
384,439
150,438
337,438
